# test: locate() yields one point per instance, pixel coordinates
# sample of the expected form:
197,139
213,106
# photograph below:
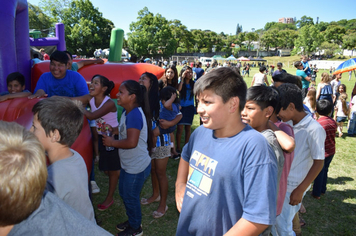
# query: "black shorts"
109,160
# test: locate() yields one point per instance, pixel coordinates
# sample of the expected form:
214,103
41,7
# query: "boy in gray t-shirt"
57,131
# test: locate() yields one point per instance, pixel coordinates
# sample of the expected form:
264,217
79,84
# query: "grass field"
333,214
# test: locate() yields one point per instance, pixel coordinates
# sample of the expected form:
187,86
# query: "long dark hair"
133,87
175,78
153,95
105,82
183,92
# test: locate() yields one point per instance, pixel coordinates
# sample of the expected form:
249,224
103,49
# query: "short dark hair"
263,96
279,64
69,53
35,55
297,64
290,93
62,114
166,93
262,68
225,82
16,76
324,107
288,78
59,56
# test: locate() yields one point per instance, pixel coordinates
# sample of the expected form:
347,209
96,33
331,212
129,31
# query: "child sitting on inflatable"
15,87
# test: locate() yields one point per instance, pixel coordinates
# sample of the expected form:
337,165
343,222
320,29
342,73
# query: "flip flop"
157,214
145,202
102,207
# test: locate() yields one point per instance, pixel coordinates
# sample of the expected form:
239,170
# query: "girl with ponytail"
135,139
103,111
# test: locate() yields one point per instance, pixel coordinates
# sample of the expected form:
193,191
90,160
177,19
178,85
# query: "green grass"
333,214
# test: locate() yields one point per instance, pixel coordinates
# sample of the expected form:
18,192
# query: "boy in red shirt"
324,108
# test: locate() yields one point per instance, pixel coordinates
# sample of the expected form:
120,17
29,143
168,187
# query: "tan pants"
296,225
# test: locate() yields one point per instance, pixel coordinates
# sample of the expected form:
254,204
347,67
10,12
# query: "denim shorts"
341,118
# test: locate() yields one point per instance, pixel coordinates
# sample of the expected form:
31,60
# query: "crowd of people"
245,170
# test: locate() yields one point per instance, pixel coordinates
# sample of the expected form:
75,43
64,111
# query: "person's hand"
107,141
37,96
174,95
99,61
3,98
180,190
296,197
164,124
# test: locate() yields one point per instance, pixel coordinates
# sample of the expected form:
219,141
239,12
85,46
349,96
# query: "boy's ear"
55,136
291,106
234,104
269,111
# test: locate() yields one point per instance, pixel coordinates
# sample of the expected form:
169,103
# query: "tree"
55,8
184,38
309,39
329,48
250,37
240,39
305,20
151,35
238,29
287,38
85,27
322,26
268,25
349,41
38,20
334,34
270,39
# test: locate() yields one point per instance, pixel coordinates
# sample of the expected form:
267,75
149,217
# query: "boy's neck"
58,152
230,130
298,116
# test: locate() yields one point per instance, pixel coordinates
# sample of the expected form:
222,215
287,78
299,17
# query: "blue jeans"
352,126
320,181
130,186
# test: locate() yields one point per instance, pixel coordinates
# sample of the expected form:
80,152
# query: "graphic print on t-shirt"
201,170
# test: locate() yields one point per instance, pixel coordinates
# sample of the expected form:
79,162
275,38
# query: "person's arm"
297,194
181,182
286,142
246,228
109,106
131,140
180,85
82,63
165,124
253,81
169,102
318,92
40,93
266,80
14,95
83,99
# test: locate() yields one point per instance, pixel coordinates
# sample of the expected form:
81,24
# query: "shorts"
92,123
161,152
313,78
341,118
167,131
188,115
109,160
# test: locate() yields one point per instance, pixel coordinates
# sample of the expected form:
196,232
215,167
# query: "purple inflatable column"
23,42
61,37
7,41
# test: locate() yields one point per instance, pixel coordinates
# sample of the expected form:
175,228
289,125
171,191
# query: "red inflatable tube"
20,111
116,72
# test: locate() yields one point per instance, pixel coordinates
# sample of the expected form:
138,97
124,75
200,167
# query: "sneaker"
122,226
94,187
131,232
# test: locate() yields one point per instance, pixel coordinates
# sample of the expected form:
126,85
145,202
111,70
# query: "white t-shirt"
259,79
340,112
307,103
309,146
334,84
353,102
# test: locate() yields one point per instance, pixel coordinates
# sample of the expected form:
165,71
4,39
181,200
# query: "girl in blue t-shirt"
135,139
186,95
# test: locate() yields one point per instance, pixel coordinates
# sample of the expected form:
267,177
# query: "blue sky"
223,16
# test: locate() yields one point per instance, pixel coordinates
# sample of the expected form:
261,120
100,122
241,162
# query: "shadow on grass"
333,214
339,180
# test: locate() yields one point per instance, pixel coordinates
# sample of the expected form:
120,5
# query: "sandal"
302,221
157,214
102,207
302,209
145,202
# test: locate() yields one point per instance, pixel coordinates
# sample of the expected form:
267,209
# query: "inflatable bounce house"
15,56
